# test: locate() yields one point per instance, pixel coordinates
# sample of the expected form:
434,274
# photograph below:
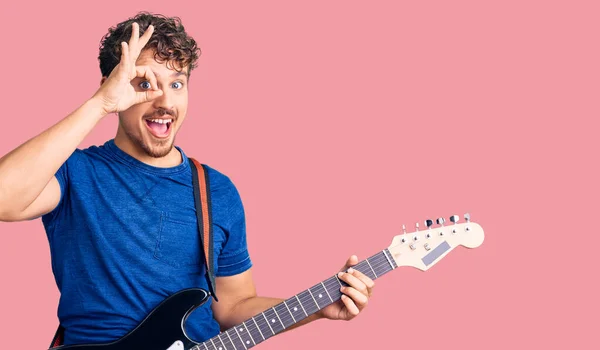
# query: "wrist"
319,315
96,107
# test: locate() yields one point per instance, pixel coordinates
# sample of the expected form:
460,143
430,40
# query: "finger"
350,306
146,96
361,276
146,37
146,73
135,34
359,299
124,55
353,260
354,282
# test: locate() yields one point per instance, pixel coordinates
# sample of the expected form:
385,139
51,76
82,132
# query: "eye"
145,85
177,85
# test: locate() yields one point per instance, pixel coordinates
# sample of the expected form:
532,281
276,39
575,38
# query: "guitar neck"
295,309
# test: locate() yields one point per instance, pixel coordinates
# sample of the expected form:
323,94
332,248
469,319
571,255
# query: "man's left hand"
355,296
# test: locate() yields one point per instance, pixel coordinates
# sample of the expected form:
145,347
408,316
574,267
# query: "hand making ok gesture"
117,93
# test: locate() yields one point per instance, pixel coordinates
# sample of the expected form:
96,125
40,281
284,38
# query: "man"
120,218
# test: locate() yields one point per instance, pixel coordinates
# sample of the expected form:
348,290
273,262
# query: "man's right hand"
117,93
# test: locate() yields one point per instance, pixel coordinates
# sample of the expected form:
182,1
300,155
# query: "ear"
103,80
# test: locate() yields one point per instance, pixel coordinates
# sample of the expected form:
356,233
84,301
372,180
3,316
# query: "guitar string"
285,319
377,261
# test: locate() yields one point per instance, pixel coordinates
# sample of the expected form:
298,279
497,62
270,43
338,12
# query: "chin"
157,149
150,145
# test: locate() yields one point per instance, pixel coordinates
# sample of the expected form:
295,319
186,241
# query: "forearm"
25,171
253,306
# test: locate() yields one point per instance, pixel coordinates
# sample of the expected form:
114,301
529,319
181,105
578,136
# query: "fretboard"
293,310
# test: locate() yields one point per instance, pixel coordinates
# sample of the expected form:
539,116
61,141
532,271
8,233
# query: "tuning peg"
416,234
454,219
441,221
428,223
467,219
403,239
403,229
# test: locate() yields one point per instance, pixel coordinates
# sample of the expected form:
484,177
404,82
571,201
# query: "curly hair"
169,41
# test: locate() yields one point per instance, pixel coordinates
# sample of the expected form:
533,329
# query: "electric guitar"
163,328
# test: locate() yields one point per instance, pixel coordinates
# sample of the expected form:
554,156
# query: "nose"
165,101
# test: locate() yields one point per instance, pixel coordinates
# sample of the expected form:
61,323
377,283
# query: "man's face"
151,127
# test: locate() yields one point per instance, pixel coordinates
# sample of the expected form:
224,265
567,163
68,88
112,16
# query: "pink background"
339,121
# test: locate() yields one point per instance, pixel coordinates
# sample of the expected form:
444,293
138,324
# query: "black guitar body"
161,329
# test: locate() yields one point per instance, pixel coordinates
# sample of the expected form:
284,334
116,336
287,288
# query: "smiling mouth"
159,127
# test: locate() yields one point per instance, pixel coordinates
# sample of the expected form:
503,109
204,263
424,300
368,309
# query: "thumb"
352,260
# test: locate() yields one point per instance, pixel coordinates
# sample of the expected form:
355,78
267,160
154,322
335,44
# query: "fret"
244,336
263,326
290,311
364,269
273,320
257,327
332,286
235,341
284,315
326,291
268,324
228,341
371,267
252,332
381,263
213,344
338,280
219,344
308,302
299,303
313,298
385,252
320,296
295,308
279,318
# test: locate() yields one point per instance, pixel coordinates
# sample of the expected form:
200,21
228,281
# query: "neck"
291,311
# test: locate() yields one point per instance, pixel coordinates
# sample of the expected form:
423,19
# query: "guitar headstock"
424,248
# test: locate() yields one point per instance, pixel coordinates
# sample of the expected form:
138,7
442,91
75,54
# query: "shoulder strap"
203,212
58,337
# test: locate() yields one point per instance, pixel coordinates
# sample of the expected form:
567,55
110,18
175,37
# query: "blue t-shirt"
124,237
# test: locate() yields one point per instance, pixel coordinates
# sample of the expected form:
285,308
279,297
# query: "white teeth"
161,121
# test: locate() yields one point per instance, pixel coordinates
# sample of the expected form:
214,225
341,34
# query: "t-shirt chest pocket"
178,241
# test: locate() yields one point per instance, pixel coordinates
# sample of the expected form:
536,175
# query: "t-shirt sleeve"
234,257
62,176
